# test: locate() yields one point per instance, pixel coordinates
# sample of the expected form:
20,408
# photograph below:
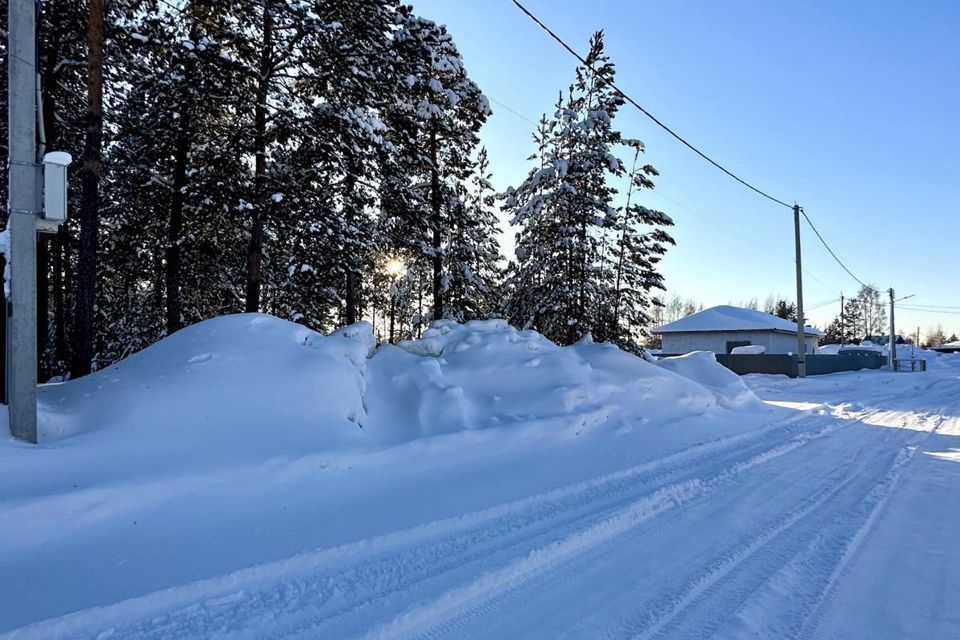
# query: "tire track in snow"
705,585
797,566
588,508
653,610
308,582
474,595
877,499
704,602
716,572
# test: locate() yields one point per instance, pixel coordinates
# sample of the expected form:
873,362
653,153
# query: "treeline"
864,314
265,155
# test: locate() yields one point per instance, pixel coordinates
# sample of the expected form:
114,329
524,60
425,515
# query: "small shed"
721,329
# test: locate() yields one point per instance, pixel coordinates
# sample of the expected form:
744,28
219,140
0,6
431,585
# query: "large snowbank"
222,391
254,385
702,367
488,374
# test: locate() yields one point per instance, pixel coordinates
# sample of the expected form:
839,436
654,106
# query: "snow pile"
749,349
702,368
226,389
487,374
254,387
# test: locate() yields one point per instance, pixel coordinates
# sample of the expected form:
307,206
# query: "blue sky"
848,108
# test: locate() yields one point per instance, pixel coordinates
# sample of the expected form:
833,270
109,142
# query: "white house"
721,329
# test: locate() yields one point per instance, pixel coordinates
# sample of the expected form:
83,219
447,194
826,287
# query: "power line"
513,111
912,308
850,273
822,304
660,193
673,133
934,307
644,111
739,235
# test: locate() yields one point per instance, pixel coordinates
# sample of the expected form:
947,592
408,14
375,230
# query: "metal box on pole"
55,166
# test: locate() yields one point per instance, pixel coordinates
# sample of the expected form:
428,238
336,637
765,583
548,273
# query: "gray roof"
727,318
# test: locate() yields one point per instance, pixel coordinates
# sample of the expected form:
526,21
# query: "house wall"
716,341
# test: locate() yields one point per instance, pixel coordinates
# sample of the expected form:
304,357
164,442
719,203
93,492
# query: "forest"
320,161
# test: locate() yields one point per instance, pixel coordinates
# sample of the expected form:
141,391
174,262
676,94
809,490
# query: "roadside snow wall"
254,386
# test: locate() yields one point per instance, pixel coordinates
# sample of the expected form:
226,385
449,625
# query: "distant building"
722,329
882,340
949,347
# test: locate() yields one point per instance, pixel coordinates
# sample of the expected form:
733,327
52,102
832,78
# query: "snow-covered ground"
248,478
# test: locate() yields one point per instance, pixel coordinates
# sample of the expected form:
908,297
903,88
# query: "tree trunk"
61,266
255,253
50,58
350,184
90,198
437,258
175,228
43,306
615,329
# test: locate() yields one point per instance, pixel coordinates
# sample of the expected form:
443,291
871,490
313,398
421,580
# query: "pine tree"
638,254
89,214
785,310
169,228
352,70
563,283
473,253
442,111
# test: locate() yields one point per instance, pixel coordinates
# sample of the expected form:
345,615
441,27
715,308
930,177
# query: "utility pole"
801,339
842,333
893,337
24,208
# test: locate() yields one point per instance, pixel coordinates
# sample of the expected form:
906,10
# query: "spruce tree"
564,283
473,253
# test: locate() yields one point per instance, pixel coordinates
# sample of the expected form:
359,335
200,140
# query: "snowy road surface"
833,511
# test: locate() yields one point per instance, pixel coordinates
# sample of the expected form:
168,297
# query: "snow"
750,349
61,158
250,478
702,367
727,318
7,271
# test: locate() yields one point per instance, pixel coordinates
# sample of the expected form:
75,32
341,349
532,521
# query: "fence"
909,365
817,364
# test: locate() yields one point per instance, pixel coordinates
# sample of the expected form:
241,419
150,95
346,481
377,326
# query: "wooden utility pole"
893,336
801,338
842,332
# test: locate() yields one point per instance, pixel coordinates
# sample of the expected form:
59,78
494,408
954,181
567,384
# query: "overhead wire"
680,138
642,110
827,246
912,308
659,193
